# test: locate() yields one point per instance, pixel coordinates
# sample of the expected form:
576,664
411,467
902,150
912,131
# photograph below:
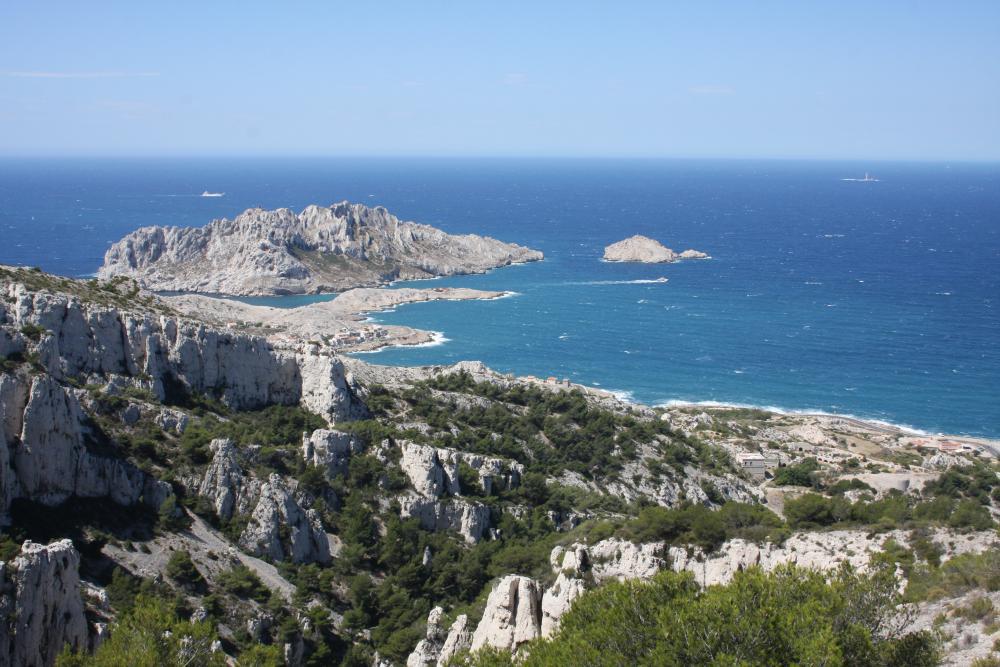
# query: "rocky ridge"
321,249
520,609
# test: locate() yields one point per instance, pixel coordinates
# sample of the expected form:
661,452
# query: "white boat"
661,279
867,179
206,193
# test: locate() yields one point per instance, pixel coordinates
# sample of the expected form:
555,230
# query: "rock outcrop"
46,450
320,249
512,616
437,503
225,485
644,249
331,450
433,471
469,519
281,529
167,355
817,551
41,604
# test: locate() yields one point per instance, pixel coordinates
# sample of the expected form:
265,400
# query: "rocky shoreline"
340,324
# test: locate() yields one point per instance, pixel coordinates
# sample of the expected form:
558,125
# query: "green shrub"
182,569
33,331
242,582
785,617
799,474
149,635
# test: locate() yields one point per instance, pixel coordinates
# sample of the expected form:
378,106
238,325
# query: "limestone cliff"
320,249
41,605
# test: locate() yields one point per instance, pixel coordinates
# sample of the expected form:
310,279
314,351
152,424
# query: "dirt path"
211,540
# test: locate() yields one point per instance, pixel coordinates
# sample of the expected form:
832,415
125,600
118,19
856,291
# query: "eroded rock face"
434,474
41,598
438,647
165,353
225,484
280,529
320,249
644,249
817,551
325,387
512,616
44,452
558,599
331,450
469,519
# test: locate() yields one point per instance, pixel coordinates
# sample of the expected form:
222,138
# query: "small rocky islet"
643,249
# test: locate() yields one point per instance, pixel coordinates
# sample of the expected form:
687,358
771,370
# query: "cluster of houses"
759,464
551,380
350,337
945,446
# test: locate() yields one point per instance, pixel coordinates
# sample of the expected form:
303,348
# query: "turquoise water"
874,299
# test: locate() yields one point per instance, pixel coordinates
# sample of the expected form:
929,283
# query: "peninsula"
321,249
338,325
649,251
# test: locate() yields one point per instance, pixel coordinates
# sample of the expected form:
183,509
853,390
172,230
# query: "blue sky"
874,80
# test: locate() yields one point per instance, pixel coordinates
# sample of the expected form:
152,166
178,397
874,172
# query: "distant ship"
206,193
661,279
867,179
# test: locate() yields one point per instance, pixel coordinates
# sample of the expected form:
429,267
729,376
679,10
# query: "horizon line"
483,156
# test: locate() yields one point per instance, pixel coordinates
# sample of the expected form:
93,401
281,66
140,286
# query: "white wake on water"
641,281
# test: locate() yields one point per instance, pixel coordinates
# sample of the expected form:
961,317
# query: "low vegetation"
786,617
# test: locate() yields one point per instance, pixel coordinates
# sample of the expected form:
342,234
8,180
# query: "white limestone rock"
426,472
277,513
428,649
325,387
434,471
469,519
318,250
331,450
459,639
558,599
438,647
41,595
814,550
615,558
512,616
163,353
644,249
225,485
172,420
44,456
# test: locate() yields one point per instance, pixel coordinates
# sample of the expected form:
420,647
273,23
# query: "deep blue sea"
880,299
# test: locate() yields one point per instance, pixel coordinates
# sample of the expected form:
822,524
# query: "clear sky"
876,79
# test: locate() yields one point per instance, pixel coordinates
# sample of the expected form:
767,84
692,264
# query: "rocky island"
649,251
321,249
